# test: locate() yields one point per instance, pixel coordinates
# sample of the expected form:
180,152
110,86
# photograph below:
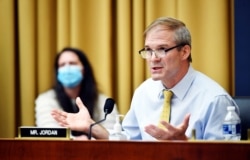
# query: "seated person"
198,102
74,78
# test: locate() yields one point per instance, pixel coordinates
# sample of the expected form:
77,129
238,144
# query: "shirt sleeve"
210,128
130,123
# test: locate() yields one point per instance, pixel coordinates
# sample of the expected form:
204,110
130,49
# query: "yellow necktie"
165,114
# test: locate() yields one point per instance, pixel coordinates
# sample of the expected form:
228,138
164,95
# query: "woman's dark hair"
88,92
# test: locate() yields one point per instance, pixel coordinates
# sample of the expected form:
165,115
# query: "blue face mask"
70,75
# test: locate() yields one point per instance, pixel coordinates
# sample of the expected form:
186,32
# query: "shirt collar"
181,88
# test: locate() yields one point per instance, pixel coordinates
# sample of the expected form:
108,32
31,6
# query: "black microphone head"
109,105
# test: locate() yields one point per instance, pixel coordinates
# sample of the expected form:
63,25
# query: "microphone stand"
90,127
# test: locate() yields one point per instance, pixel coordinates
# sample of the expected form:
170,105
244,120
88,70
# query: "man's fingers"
79,103
152,130
59,115
186,121
55,113
170,132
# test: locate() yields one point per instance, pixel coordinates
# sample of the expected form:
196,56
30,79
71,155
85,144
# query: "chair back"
244,107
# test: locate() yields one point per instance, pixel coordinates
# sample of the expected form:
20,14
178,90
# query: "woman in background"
74,78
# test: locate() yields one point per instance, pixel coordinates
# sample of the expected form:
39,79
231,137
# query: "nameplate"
43,132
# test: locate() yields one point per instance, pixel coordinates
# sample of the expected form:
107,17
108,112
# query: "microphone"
108,108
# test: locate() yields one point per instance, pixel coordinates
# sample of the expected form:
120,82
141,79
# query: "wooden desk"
118,150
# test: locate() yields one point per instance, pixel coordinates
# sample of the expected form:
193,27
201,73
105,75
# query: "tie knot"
167,95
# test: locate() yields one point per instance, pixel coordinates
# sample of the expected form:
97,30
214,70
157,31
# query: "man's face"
168,67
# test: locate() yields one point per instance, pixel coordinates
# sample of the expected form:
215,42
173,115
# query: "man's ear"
186,51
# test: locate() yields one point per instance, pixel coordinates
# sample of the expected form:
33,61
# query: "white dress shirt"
196,94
